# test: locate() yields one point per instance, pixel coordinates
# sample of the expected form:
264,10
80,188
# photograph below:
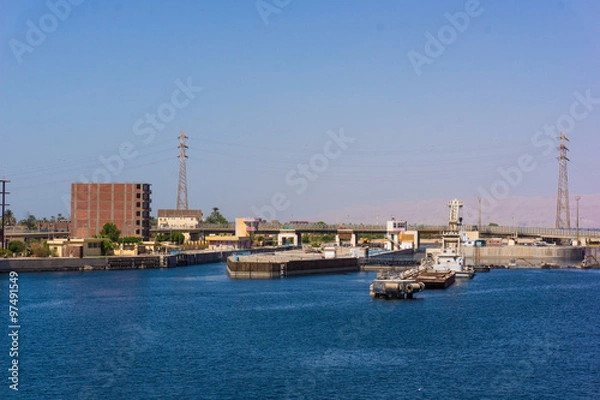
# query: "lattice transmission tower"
182,195
563,218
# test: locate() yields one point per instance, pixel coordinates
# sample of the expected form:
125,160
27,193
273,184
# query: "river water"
192,333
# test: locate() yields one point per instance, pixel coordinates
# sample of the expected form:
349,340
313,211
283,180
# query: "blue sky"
274,86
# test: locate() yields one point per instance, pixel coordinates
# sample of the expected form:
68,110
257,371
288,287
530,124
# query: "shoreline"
381,261
115,263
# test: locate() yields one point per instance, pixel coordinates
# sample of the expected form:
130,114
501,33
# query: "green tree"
9,218
215,217
161,237
131,240
110,231
39,249
107,246
493,224
177,238
30,223
16,246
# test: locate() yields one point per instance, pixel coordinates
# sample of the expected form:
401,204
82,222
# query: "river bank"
56,264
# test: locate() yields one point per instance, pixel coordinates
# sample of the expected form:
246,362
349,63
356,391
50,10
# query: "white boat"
449,256
450,260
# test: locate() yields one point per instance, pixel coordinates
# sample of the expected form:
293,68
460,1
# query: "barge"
394,287
436,279
270,266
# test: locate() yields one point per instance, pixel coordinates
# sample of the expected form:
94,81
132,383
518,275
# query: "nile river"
192,333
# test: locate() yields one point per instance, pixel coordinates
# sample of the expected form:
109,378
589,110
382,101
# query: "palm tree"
9,218
215,217
30,223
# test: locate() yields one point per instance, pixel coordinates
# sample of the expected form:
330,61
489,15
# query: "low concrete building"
228,242
287,238
330,252
75,247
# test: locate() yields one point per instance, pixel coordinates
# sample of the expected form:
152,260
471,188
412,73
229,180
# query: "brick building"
125,204
56,226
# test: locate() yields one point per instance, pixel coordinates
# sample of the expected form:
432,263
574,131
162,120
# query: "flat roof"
170,213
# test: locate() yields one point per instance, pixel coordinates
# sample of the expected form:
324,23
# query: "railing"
366,228
358,228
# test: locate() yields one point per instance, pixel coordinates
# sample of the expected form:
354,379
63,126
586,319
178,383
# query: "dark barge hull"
277,269
436,280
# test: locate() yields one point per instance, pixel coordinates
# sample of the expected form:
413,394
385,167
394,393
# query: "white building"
179,219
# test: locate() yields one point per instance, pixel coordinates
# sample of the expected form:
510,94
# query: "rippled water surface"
194,333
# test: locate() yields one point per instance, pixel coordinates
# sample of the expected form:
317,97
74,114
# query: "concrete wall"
525,255
592,255
51,264
103,263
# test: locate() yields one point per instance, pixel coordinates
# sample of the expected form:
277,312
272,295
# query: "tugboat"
438,268
449,257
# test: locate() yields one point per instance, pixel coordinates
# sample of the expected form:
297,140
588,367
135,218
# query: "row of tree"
31,222
35,248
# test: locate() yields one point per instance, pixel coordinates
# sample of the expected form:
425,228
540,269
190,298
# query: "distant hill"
520,211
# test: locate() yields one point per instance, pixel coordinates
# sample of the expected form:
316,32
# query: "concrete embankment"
592,257
525,256
118,263
392,259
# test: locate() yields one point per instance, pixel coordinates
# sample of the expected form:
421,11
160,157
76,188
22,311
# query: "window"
137,195
137,204
137,186
137,213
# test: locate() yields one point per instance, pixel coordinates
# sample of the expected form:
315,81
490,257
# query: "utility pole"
4,193
182,196
577,198
479,221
